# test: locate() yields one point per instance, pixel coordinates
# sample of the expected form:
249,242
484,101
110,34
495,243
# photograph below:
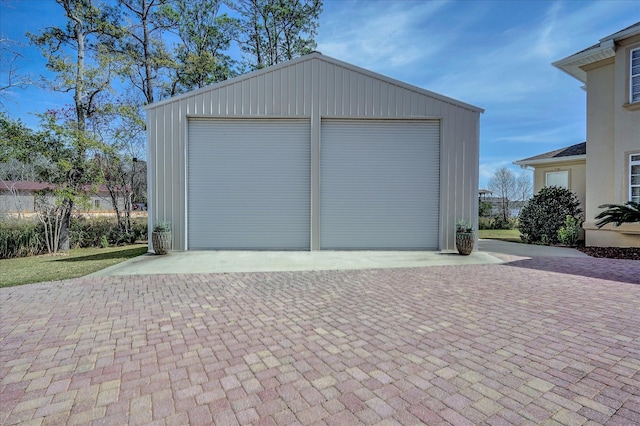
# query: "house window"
634,178
560,179
634,76
96,204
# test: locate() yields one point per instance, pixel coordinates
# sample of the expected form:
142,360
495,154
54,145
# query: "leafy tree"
15,139
618,214
21,157
273,31
503,184
204,37
546,213
87,80
142,54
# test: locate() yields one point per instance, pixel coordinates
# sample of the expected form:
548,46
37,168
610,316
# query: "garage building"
312,154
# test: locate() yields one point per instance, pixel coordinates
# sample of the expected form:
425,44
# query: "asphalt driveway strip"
540,340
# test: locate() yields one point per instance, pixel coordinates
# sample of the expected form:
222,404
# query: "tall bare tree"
10,76
503,185
524,185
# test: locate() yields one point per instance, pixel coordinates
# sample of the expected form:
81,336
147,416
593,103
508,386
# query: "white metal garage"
379,184
248,184
312,154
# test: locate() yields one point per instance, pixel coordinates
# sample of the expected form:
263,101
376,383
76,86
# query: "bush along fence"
21,238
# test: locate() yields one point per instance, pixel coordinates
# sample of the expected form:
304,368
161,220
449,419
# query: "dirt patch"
632,253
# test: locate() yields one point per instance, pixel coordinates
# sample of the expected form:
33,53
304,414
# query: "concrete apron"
213,261
193,262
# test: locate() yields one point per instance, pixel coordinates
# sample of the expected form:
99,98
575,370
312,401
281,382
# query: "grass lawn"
512,235
77,263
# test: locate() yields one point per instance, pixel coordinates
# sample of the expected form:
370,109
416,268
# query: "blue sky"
493,54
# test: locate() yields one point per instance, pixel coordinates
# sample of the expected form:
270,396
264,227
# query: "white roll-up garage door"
248,184
379,184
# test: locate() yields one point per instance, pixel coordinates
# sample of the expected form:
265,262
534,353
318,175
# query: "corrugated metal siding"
314,87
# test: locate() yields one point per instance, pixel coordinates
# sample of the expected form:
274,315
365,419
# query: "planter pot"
464,242
161,242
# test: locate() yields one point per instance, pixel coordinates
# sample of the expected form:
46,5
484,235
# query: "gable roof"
605,49
314,56
569,153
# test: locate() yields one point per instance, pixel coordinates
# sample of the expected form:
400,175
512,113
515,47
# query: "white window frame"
634,160
558,173
634,97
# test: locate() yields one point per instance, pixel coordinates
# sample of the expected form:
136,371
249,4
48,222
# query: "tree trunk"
147,54
64,242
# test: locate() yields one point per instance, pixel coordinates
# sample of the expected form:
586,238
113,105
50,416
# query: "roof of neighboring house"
606,48
30,186
573,152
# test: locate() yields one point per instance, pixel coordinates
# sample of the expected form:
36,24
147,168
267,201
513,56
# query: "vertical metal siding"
288,91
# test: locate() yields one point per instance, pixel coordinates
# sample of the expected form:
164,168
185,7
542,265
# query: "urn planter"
161,238
465,242
465,238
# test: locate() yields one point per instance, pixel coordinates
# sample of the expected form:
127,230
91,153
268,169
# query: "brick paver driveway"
553,341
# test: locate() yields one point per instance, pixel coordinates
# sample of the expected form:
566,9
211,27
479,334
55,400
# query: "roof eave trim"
572,64
542,161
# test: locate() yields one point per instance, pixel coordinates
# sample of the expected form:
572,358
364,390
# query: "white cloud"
379,35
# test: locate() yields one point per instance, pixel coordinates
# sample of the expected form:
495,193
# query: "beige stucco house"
608,171
564,167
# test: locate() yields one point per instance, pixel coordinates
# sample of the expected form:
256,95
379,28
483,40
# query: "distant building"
19,197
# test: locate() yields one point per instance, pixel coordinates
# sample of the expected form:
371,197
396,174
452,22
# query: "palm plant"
619,214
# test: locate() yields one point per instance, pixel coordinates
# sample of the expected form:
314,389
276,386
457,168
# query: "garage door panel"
248,184
379,186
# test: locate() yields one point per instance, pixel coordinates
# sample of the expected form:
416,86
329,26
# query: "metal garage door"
379,184
248,184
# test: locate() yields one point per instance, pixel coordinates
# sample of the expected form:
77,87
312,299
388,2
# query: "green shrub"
499,223
542,217
139,229
103,242
485,223
484,209
496,222
88,231
570,232
21,238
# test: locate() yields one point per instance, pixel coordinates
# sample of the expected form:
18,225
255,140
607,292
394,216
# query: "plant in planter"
161,237
465,237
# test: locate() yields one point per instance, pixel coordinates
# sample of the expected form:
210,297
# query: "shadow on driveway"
625,271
